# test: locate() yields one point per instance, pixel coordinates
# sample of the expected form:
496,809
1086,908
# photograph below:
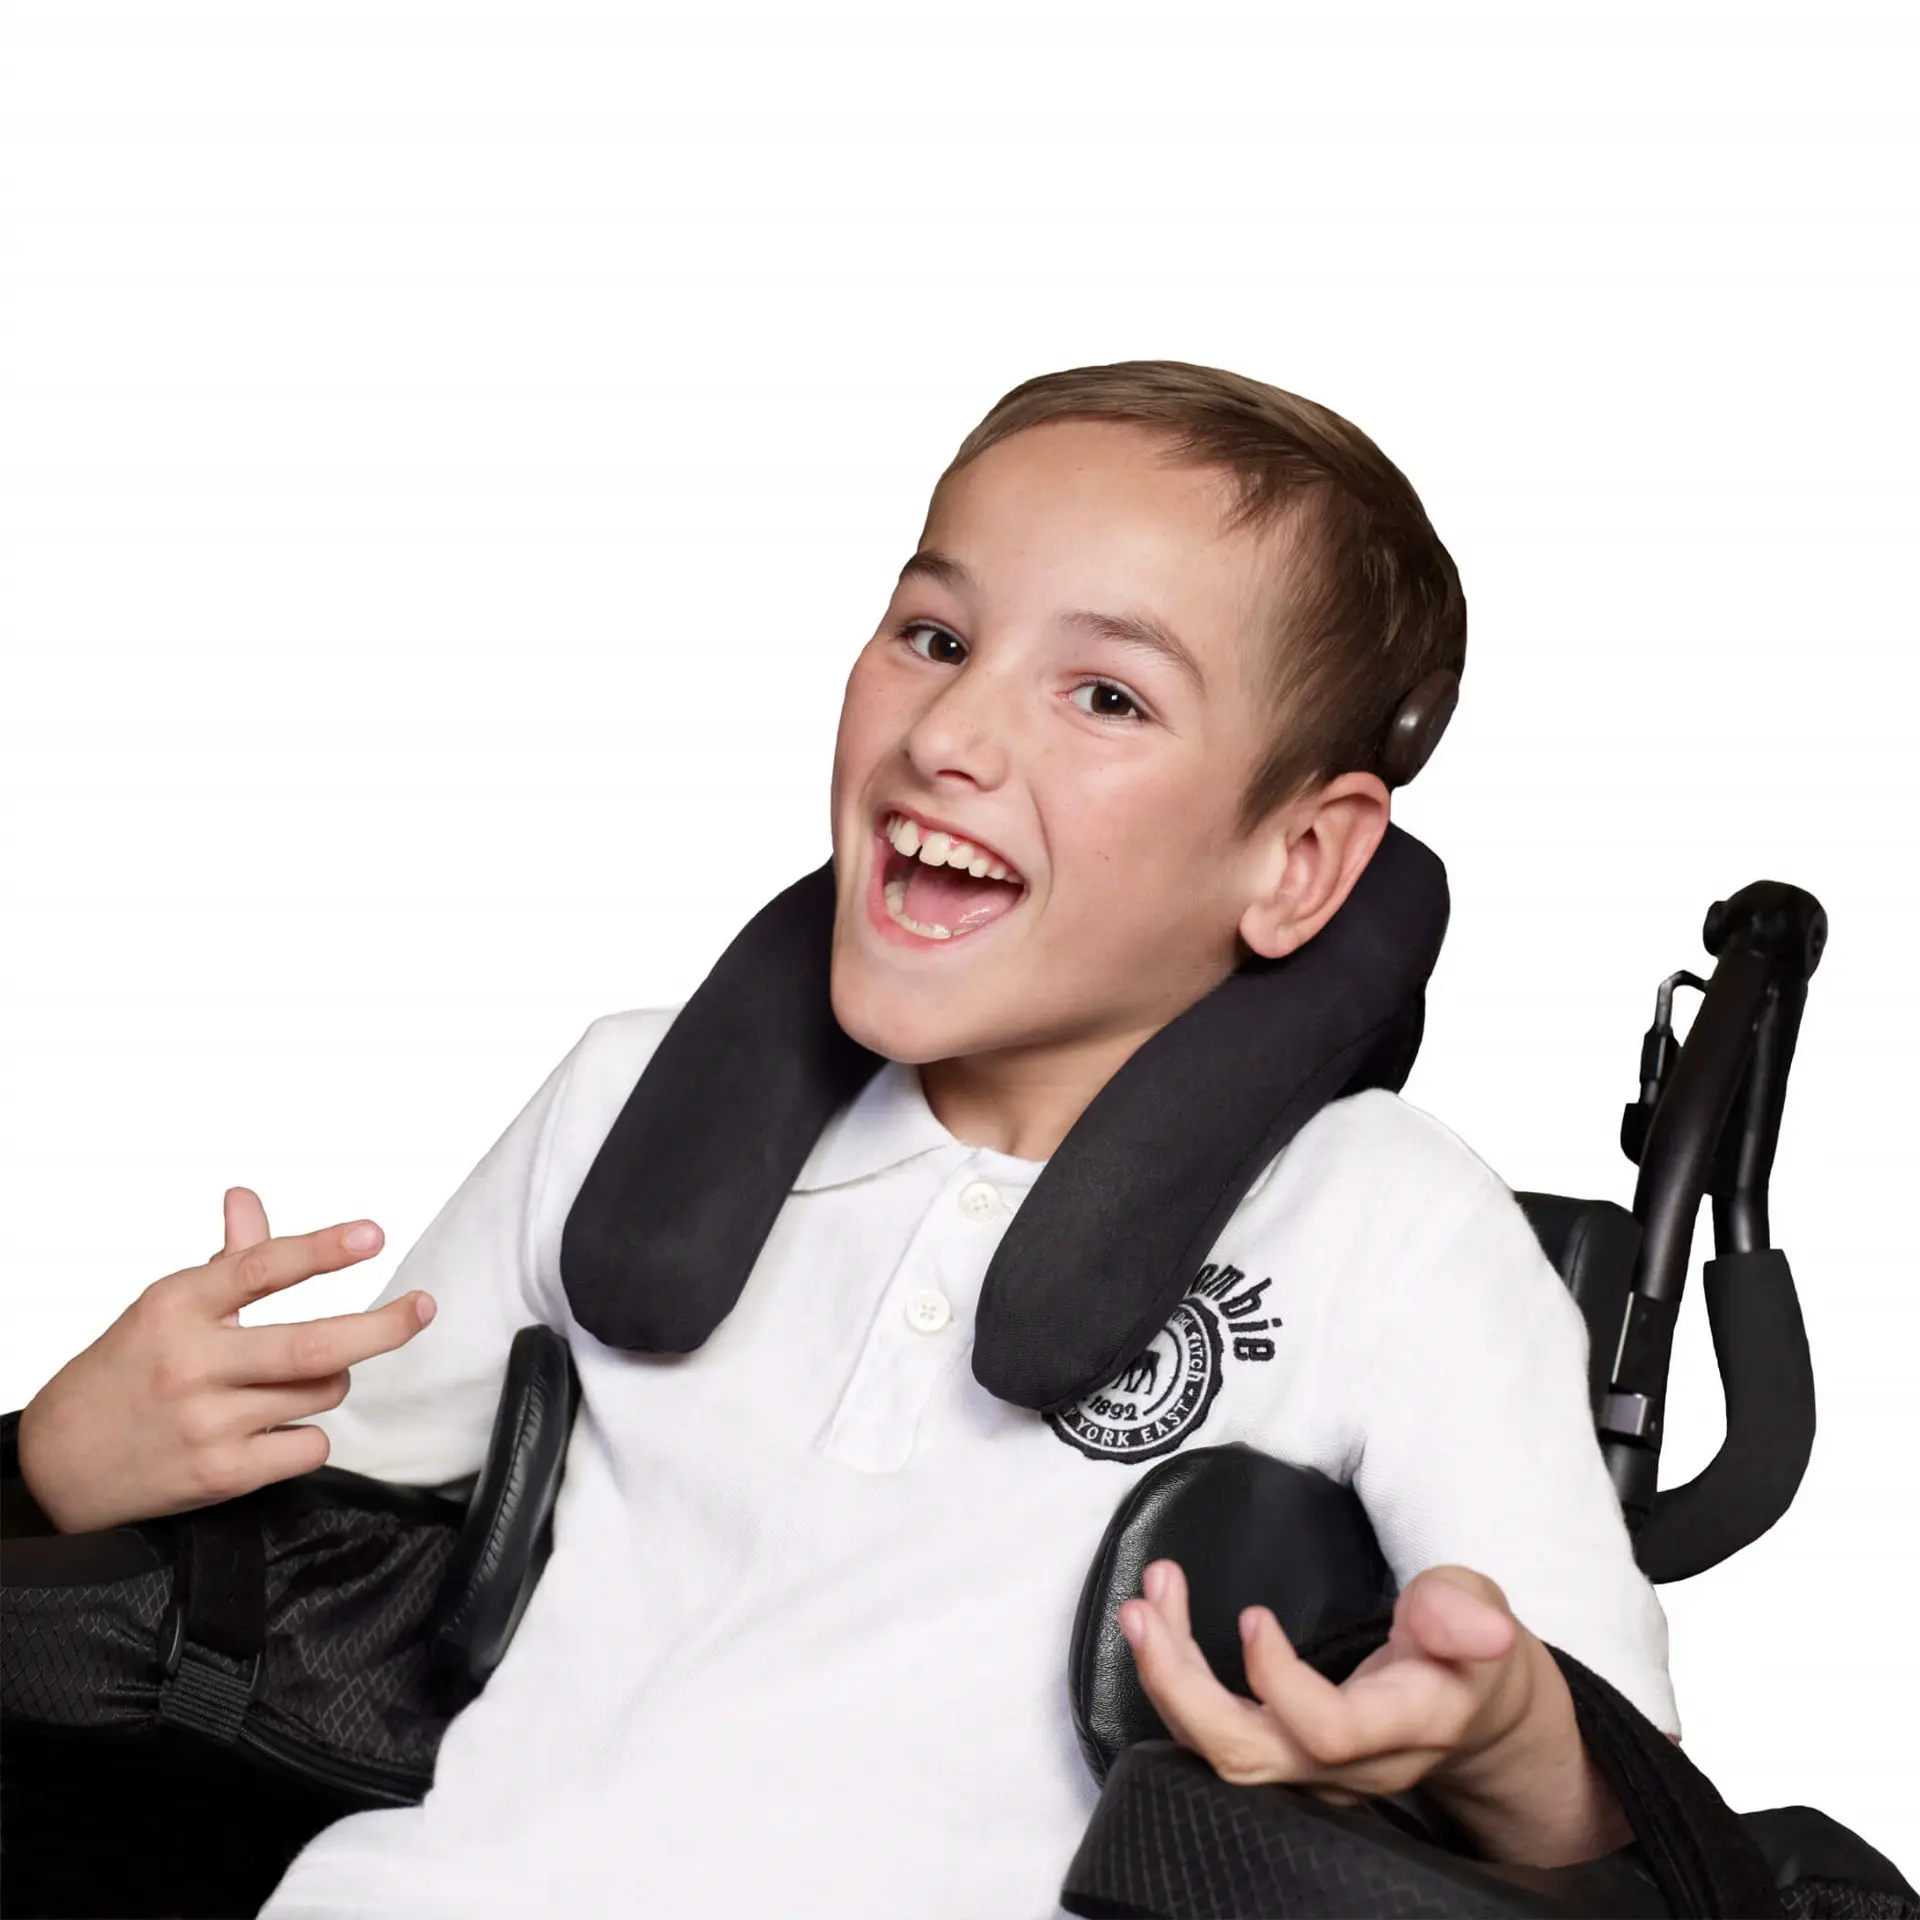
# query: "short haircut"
1373,602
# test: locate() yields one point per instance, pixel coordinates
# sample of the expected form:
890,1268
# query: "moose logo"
1164,1393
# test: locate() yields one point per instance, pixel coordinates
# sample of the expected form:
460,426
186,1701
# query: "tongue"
946,897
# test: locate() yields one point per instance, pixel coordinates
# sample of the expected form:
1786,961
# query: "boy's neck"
1023,1101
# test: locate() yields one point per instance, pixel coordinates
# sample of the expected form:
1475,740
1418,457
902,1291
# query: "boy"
801,1645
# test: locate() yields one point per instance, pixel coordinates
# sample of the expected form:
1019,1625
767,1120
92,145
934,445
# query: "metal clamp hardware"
1630,1416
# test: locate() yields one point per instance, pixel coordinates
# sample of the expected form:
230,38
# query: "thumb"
1452,1613
246,1220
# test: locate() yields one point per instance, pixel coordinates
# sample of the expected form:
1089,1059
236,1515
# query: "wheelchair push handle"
1707,1122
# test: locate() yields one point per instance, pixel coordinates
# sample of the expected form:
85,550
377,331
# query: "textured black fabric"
1695,1847
1815,1899
684,1190
1801,1843
345,1683
1171,1840
82,1656
206,1691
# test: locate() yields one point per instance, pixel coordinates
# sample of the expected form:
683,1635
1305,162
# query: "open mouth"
940,886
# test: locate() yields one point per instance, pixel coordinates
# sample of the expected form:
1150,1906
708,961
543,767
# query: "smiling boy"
801,1645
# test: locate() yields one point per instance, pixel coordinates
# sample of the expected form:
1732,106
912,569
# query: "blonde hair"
1373,602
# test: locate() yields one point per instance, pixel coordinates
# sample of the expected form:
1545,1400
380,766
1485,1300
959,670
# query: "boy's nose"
963,733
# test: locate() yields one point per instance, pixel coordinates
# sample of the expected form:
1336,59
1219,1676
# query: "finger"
246,1220
235,1280
1165,1585
1242,1743
1453,1618
285,1452
307,1350
1306,1702
261,1409
1383,1712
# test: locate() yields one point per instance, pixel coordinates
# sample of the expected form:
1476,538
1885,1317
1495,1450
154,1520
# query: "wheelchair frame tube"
1716,1126
1746,1157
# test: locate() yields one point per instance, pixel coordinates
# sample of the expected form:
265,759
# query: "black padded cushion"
507,1537
1135,1196
1248,1530
685,1188
1593,1245
677,1205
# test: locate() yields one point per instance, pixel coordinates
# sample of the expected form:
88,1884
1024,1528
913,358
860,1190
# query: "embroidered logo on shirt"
1159,1399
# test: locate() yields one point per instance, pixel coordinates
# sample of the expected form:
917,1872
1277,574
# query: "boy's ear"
1315,849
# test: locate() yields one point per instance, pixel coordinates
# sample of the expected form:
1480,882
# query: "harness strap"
214,1633
1696,1848
1700,1855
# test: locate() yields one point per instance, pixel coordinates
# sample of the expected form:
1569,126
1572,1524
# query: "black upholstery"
1593,1245
671,1216
1171,1840
1294,1541
1219,1090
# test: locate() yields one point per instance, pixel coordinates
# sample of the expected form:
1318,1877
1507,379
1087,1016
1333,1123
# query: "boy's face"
1015,697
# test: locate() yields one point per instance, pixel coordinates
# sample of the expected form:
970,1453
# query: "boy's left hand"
1457,1674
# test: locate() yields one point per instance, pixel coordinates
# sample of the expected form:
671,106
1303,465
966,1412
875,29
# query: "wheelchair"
187,1701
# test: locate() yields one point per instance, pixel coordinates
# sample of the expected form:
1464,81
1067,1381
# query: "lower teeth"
896,893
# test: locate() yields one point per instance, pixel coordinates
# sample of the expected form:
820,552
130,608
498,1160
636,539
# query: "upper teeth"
943,849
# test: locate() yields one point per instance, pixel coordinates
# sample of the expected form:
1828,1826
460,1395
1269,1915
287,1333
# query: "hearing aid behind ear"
1416,727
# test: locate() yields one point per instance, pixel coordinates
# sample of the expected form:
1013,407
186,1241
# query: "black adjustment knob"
1787,924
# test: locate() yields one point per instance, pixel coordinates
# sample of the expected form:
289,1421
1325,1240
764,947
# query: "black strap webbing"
212,1639
1702,1858
1696,1848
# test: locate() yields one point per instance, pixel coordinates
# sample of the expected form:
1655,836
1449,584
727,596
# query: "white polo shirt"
801,1647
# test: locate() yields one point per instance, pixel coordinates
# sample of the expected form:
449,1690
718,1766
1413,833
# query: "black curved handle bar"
1713,1129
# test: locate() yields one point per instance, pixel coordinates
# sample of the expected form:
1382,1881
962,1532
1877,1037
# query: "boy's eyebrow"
1135,629
938,566
1142,630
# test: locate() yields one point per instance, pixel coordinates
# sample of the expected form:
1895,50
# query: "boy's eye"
912,633
1109,702
1108,699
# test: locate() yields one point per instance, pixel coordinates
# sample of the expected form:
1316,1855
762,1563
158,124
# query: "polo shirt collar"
885,1124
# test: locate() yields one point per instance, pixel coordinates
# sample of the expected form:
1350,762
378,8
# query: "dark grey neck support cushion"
676,1207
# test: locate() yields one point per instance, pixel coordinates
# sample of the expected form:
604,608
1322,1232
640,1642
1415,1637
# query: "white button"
980,1200
928,1311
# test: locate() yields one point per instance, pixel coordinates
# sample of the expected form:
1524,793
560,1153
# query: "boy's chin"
910,1027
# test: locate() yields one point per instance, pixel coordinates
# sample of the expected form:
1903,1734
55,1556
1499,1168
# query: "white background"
451,455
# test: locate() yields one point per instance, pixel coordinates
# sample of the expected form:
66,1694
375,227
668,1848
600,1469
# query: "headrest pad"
676,1207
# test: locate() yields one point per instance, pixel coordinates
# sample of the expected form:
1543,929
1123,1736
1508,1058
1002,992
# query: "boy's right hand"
178,1406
